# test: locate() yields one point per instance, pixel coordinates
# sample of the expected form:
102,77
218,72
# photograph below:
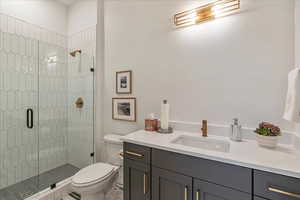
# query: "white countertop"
283,160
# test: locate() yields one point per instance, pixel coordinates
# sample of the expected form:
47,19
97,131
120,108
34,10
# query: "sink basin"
203,143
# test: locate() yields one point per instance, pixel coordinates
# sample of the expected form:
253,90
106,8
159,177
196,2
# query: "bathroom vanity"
159,169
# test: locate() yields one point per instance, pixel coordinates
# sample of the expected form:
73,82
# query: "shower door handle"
29,120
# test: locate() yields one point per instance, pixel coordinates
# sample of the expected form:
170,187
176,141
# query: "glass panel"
18,114
39,80
80,117
53,117
66,134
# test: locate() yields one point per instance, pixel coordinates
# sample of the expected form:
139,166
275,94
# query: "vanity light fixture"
206,12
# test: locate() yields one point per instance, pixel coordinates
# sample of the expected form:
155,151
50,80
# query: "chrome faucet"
236,131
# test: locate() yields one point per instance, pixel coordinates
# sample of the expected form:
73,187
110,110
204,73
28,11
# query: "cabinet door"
209,191
275,186
167,185
258,198
136,180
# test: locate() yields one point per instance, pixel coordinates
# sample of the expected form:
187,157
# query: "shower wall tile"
84,40
13,151
37,72
19,78
53,91
16,27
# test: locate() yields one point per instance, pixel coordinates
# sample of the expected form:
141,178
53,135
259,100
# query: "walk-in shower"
44,137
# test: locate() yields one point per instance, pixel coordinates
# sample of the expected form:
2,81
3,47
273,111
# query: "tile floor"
33,185
115,194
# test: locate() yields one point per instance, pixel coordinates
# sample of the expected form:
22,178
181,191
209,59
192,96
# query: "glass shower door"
53,121
44,136
18,113
66,108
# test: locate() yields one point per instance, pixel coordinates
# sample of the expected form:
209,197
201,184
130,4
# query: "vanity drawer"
276,187
232,176
137,152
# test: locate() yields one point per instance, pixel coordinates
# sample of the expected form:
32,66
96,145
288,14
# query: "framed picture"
124,82
124,109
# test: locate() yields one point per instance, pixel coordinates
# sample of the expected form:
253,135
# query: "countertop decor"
284,160
267,135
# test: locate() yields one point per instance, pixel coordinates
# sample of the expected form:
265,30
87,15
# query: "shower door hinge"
92,154
53,186
92,69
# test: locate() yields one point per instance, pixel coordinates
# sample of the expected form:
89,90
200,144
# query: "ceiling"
67,2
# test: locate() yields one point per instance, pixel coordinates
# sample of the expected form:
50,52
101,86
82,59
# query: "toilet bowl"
94,181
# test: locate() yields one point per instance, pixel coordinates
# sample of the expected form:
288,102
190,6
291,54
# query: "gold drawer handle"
145,183
271,189
134,154
197,195
186,193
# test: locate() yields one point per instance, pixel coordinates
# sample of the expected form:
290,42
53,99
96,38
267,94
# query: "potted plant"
267,134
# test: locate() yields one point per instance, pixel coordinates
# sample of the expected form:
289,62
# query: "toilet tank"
113,146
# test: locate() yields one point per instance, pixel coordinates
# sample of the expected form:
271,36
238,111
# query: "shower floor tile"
24,189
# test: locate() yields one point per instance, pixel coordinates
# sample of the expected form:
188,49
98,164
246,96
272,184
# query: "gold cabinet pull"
135,154
197,195
186,193
271,189
145,183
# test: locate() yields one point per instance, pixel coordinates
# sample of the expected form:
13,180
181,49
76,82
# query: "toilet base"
95,196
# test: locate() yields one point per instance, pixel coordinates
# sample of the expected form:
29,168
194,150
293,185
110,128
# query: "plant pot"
267,141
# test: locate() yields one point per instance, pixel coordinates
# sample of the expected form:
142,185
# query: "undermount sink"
203,143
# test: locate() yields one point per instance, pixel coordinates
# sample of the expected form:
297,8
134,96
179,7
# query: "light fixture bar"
206,12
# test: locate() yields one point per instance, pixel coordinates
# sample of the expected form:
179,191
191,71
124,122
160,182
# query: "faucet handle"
204,128
235,121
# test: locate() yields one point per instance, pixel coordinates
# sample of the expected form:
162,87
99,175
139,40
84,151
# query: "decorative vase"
267,141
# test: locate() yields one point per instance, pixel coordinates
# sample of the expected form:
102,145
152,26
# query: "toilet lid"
93,173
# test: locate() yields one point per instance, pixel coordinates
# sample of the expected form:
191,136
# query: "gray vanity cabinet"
275,187
167,185
231,176
153,174
208,191
137,172
136,180
258,198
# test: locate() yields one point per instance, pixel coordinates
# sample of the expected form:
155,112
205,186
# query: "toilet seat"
92,174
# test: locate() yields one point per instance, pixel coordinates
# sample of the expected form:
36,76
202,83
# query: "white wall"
48,14
297,40
99,81
82,20
82,15
231,67
53,15
297,33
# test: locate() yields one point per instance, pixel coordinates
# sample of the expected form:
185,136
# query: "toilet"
94,181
